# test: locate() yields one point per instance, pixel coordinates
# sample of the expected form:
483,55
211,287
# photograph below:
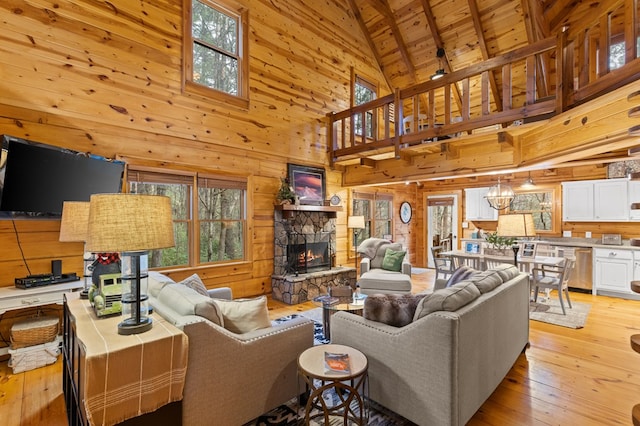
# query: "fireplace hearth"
304,260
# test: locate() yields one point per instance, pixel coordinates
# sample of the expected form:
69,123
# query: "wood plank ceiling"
405,35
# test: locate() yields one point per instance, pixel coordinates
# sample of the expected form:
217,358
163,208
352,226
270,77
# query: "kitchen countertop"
575,242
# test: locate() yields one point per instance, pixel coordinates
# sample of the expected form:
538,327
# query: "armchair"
232,378
382,271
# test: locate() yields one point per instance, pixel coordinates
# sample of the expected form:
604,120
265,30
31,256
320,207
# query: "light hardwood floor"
589,376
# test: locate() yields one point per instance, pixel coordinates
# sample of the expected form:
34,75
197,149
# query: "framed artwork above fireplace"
308,183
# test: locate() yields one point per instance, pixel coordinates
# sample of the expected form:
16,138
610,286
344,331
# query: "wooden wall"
105,78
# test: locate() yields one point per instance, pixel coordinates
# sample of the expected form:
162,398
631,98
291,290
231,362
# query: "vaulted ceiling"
405,35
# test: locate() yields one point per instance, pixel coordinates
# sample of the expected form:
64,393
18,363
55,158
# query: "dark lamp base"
84,294
130,326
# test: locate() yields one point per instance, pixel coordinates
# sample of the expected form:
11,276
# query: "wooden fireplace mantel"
289,210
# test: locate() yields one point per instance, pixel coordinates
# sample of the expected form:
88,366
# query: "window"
215,50
540,203
377,210
363,92
209,216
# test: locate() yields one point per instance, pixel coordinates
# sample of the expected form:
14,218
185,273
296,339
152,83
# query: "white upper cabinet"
476,206
596,200
634,197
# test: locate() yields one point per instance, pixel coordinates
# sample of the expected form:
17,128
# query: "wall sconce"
131,224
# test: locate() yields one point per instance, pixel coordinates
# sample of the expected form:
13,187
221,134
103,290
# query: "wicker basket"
34,331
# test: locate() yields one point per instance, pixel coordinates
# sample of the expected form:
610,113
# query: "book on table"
336,362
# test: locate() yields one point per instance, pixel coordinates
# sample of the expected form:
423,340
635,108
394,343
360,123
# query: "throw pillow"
185,301
392,309
195,283
462,273
506,271
244,315
376,261
447,299
393,260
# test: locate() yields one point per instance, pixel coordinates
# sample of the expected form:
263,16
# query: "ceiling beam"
477,25
372,46
431,23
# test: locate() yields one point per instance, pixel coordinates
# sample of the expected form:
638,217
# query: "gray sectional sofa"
442,366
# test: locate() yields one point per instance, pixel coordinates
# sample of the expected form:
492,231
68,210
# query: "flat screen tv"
35,178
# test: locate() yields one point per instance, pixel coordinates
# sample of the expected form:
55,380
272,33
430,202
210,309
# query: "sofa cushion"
447,299
506,271
392,309
156,282
186,301
462,273
244,315
486,280
393,260
376,262
195,283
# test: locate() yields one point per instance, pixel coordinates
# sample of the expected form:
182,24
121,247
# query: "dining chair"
471,261
554,278
443,264
491,262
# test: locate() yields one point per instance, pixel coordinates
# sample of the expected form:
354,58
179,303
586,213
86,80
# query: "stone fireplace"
304,257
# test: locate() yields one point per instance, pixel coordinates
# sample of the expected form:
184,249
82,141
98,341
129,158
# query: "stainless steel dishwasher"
582,274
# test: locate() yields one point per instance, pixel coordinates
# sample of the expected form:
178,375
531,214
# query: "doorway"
442,220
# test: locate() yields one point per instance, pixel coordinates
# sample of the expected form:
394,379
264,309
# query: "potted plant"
498,245
285,194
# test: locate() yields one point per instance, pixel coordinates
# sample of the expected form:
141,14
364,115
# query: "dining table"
525,263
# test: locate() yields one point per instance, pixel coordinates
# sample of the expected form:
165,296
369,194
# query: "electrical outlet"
587,234
566,234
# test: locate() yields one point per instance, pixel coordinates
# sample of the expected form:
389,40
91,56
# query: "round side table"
346,393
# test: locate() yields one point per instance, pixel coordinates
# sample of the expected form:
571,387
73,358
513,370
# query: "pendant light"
500,196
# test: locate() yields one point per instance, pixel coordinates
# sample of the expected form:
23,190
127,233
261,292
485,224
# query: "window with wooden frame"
363,91
377,209
209,215
542,203
215,50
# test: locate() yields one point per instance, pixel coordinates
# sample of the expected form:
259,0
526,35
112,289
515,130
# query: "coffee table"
330,305
335,394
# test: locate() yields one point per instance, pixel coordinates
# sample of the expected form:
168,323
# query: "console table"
116,379
17,298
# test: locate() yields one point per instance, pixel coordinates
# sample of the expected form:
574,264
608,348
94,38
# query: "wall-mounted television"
36,178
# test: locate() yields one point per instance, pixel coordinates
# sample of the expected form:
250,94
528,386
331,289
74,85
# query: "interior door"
442,219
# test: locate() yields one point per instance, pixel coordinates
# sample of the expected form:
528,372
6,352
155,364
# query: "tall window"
215,50
363,92
209,216
377,211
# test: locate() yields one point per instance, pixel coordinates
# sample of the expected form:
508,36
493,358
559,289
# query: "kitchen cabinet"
634,197
476,206
596,200
614,269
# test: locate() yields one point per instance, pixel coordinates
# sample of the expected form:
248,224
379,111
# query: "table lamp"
516,225
356,223
73,228
130,224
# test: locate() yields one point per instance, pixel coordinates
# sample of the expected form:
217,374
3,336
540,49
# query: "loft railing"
558,73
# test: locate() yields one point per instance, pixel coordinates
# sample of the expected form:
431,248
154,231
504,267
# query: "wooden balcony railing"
544,78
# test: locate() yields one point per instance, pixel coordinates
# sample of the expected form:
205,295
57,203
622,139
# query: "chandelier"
500,196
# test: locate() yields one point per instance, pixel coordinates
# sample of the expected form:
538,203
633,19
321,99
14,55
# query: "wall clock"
405,212
335,200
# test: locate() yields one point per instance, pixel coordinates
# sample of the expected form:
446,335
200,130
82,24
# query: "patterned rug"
290,414
550,312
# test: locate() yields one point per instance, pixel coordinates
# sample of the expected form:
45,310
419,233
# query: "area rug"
551,312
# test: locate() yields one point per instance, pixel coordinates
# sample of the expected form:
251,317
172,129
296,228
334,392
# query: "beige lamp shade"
129,223
74,221
516,225
355,222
